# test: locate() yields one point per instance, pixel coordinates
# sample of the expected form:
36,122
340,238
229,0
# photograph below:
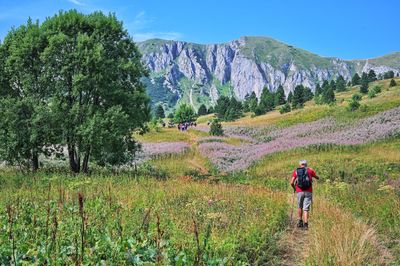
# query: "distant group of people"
184,126
170,124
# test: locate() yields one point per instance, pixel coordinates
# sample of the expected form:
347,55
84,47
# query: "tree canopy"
340,84
159,112
228,109
76,78
202,110
364,83
355,80
184,113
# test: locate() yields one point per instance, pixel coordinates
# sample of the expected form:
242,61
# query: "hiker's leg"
307,205
300,213
305,216
300,201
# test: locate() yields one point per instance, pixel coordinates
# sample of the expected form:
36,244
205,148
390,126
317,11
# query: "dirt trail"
296,242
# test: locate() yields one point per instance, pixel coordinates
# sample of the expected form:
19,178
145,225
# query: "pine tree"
267,100
245,103
364,83
318,90
332,84
159,112
202,110
388,75
325,84
253,102
307,94
290,97
392,83
222,106
371,76
355,80
340,84
280,96
216,128
328,95
298,97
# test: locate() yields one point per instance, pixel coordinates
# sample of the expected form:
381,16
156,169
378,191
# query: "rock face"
196,74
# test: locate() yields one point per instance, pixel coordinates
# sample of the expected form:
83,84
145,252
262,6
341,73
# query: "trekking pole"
291,213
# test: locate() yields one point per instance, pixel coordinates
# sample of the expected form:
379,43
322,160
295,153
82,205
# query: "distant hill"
196,73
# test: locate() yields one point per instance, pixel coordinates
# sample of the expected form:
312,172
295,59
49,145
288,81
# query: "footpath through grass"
362,180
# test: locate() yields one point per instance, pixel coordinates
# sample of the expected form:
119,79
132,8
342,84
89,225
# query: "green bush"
285,108
354,105
356,97
355,102
216,128
377,89
392,83
371,94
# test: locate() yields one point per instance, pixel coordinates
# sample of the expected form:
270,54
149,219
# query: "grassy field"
387,99
56,219
362,180
178,209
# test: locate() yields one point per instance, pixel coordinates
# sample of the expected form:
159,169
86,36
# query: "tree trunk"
74,166
85,163
35,161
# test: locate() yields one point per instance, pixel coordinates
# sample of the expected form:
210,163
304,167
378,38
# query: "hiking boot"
305,226
300,224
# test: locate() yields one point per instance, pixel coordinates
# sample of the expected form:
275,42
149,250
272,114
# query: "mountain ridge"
200,73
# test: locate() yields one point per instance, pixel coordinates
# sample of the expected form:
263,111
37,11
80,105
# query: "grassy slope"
243,219
389,98
353,178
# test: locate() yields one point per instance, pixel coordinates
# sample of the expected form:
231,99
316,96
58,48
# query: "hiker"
302,184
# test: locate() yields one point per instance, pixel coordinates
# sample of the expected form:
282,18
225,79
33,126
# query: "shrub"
285,108
259,110
355,102
377,89
371,94
216,128
392,83
184,113
356,97
354,105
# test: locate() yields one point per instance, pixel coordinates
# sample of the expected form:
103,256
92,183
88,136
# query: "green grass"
122,220
178,210
170,135
355,179
389,98
205,118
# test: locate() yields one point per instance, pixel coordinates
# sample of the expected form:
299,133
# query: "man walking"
302,184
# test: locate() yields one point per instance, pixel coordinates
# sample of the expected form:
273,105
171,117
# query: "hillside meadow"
180,206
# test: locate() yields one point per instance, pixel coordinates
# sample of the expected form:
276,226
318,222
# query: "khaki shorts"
304,200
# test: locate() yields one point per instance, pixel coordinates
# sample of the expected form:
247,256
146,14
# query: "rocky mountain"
196,73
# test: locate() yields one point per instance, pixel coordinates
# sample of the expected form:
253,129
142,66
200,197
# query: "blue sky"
347,29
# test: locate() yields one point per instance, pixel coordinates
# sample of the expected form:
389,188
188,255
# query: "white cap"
303,162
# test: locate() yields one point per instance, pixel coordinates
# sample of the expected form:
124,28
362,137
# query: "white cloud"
142,36
77,2
140,26
141,21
